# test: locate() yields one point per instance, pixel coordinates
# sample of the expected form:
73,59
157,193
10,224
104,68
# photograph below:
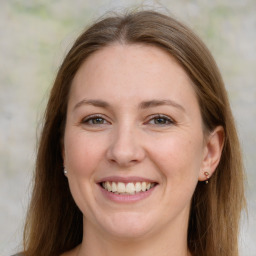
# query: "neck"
161,243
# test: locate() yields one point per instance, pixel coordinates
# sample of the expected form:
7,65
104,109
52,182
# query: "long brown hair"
54,222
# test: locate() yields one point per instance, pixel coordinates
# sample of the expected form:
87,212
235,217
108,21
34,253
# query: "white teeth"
109,187
138,186
130,188
127,188
143,186
114,187
120,187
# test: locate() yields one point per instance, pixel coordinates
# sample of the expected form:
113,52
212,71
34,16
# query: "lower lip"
126,198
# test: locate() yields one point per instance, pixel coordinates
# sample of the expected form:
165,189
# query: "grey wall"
34,36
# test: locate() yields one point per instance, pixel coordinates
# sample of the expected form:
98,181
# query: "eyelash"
89,119
163,117
168,121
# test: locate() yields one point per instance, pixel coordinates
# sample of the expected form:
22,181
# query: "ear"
212,153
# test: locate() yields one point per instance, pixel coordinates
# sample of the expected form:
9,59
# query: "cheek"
82,153
179,158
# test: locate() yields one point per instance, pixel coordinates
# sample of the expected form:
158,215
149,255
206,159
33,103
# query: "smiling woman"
139,154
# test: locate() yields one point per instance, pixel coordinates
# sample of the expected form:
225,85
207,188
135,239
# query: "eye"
161,120
94,120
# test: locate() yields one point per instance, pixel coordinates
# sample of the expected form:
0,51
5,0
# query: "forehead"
131,72
146,57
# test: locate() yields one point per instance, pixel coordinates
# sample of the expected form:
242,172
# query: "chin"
128,226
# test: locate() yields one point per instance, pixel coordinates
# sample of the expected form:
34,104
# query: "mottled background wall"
34,36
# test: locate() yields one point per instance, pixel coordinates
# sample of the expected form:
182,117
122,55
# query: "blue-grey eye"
160,120
94,120
97,120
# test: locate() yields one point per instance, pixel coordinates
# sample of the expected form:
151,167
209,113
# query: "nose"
125,148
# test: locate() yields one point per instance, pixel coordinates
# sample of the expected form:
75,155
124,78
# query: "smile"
129,188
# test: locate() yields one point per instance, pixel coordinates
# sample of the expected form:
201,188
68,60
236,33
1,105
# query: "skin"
130,140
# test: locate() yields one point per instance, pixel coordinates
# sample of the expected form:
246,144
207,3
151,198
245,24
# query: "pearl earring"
65,172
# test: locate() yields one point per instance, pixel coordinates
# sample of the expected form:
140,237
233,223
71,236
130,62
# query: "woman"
139,154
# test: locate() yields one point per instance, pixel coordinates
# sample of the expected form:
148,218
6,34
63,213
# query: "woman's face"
133,144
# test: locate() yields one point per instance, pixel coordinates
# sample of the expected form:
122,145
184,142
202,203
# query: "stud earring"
207,177
65,172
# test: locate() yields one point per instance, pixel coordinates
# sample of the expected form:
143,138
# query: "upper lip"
126,179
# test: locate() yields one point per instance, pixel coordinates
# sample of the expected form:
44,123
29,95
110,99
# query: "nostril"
125,148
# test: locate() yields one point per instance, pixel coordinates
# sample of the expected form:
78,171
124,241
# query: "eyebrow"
156,103
96,103
142,105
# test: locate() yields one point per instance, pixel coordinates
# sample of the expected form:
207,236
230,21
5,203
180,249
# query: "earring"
65,172
207,177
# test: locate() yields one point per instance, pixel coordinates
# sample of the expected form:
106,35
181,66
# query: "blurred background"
34,37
